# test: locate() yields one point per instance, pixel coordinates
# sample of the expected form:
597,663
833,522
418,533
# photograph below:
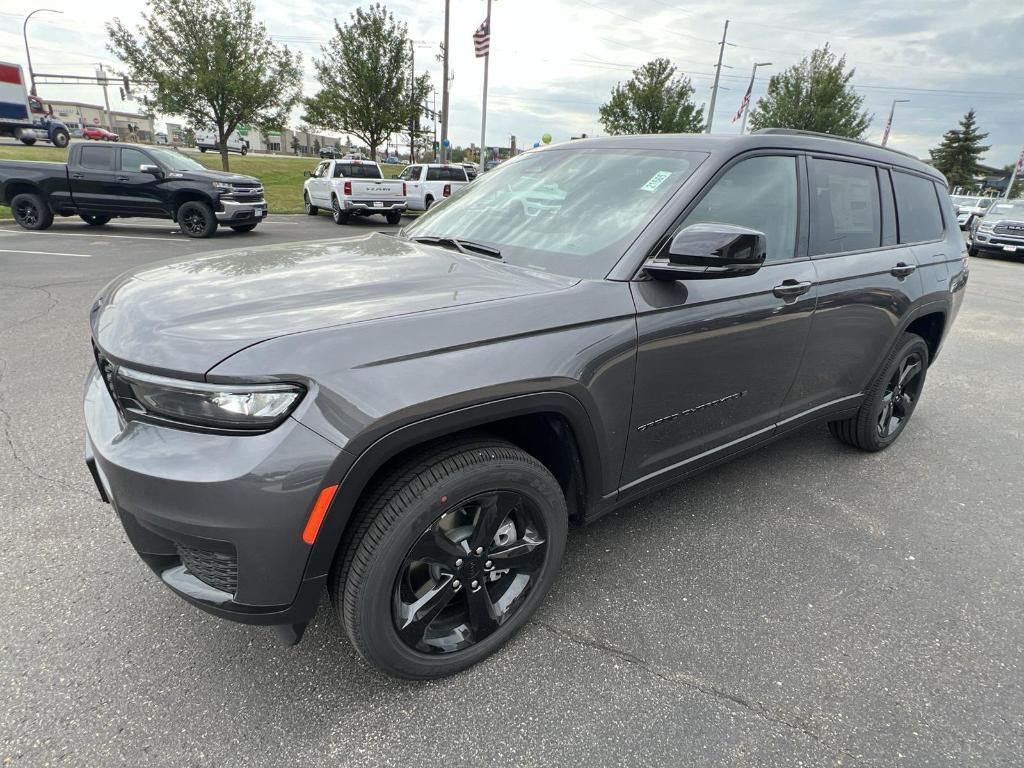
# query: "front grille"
218,569
1015,230
238,197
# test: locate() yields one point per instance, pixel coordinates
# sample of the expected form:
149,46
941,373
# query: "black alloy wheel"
196,219
469,572
900,396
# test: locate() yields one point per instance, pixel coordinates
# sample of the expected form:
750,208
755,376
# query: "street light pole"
444,85
28,55
746,106
888,125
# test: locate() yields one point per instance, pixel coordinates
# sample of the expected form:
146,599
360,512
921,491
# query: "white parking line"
89,234
48,253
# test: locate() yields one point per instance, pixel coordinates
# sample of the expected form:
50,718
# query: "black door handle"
790,289
123,178
903,270
77,175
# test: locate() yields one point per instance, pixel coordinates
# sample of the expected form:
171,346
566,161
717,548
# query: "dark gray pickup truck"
103,181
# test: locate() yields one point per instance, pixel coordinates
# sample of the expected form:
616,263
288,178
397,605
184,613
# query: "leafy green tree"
211,62
364,79
959,154
654,100
814,95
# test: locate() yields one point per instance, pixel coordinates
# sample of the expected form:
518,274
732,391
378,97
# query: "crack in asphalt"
675,678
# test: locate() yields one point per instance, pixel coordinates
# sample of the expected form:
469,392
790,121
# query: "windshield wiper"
460,245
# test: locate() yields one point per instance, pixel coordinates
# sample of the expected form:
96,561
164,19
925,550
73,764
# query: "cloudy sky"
554,61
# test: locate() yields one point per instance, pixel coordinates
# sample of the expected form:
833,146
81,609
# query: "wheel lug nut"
475,584
458,562
488,564
479,550
456,584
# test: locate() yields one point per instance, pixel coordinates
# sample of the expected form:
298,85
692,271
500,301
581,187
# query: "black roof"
771,138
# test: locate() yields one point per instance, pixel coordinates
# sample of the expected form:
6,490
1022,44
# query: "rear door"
868,280
93,177
716,357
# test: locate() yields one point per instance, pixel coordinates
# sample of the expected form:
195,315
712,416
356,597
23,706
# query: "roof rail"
819,135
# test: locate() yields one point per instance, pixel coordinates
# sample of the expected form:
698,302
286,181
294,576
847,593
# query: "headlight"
216,407
222,185
986,226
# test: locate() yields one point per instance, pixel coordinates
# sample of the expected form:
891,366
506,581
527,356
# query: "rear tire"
394,218
196,219
94,219
31,212
429,201
245,151
203,150
339,216
409,606
890,400
311,210
28,142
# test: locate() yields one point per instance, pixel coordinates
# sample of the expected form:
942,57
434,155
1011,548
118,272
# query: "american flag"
482,38
745,102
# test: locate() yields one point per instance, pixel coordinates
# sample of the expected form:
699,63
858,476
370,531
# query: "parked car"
25,117
429,182
207,139
94,133
393,160
350,188
969,208
491,164
328,152
160,138
472,170
414,421
1000,231
102,182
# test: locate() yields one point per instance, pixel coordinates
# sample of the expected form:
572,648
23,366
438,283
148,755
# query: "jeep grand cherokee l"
415,421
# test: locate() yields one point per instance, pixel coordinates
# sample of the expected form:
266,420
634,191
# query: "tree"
316,146
295,144
655,100
211,62
959,154
364,79
814,95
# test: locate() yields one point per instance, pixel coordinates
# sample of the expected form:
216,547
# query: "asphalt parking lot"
804,605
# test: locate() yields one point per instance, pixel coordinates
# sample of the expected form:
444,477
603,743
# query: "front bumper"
218,518
998,243
239,213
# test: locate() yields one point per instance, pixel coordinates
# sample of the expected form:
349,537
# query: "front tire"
244,151
94,219
451,555
394,218
311,210
203,150
60,138
30,211
891,398
196,219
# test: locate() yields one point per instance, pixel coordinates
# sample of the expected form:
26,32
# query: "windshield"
964,201
174,161
568,211
1009,208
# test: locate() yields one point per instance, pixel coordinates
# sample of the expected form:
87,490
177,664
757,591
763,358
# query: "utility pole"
412,102
444,85
718,74
483,118
750,94
888,125
101,75
28,55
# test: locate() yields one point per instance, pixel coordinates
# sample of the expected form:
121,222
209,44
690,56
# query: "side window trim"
802,215
889,215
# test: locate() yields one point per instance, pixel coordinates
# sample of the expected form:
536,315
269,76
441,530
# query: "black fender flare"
359,471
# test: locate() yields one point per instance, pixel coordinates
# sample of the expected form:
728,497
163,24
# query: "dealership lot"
804,605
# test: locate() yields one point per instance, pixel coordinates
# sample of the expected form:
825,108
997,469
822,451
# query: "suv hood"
186,316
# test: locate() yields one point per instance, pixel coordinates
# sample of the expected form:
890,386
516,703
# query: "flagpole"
750,94
483,118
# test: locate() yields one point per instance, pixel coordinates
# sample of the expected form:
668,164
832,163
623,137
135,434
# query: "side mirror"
705,251
153,169
307,174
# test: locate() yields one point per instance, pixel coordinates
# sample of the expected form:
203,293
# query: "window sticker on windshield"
655,181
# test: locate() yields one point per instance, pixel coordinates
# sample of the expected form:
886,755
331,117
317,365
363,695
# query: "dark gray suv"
415,421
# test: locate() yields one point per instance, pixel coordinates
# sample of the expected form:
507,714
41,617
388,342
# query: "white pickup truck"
350,187
429,182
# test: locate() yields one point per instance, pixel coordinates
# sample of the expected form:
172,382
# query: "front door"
717,357
133,192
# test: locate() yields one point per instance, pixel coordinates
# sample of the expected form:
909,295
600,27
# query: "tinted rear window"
917,208
356,171
845,210
96,157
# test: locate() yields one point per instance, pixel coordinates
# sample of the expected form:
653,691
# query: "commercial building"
77,115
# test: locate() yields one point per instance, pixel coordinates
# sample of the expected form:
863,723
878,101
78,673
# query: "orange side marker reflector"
316,517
